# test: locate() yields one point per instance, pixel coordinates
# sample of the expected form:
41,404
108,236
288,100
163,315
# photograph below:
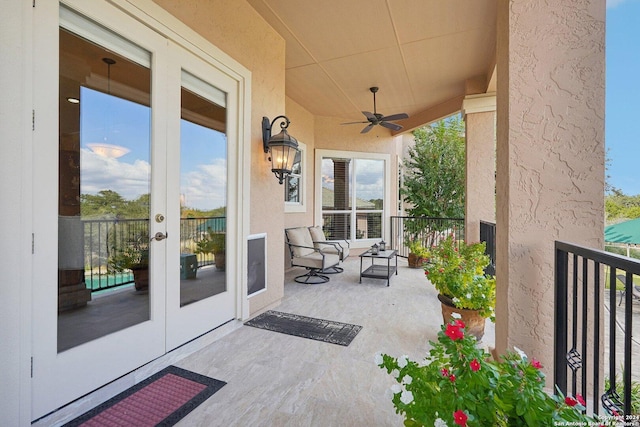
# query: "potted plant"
457,272
134,257
417,253
460,385
213,242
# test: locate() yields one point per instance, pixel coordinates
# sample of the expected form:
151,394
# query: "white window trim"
301,206
319,154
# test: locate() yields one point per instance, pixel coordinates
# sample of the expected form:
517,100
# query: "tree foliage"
619,206
434,173
110,204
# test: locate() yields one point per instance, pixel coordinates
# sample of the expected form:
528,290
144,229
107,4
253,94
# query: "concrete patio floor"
281,380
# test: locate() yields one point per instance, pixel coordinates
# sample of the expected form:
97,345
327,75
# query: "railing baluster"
590,291
628,333
585,308
561,313
596,333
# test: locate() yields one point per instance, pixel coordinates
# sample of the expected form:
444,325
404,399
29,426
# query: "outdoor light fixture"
282,147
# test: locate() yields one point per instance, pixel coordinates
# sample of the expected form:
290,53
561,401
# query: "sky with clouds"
203,169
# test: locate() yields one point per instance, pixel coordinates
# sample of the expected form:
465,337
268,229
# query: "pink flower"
444,372
570,401
460,418
454,332
474,365
536,364
580,400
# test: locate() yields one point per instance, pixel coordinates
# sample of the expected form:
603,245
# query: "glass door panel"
369,198
104,191
203,197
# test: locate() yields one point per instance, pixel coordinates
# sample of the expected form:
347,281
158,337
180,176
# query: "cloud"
614,3
130,180
205,188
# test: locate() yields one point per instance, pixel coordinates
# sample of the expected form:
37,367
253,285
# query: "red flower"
445,372
454,332
570,401
474,365
426,273
452,378
536,363
580,400
459,323
441,270
460,418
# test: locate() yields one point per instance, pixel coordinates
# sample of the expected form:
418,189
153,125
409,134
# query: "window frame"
355,155
301,205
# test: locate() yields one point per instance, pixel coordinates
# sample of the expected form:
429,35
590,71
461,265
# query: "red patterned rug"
161,400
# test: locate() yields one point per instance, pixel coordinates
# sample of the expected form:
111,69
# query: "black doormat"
163,399
306,327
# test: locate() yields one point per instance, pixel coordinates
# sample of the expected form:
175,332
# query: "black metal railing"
423,230
488,235
578,341
103,239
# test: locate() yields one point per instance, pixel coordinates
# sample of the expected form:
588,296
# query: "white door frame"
53,387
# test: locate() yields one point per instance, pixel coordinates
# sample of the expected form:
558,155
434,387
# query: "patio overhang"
424,56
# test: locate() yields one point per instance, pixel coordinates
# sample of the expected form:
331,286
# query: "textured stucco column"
480,134
550,157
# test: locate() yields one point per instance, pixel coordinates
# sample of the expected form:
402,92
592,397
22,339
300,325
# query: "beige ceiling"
424,55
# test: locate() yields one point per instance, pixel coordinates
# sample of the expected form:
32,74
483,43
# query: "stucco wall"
302,128
550,171
480,203
236,28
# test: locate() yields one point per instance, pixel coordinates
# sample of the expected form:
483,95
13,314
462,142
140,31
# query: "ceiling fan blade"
367,128
399,116
352,123
391,126
369,115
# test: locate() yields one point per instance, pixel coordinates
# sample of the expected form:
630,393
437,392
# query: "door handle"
160,236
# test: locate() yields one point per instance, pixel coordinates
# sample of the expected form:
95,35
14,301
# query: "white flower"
440,423
378,358
520,352
455,300
395,373
468,295
388,394
402,360
407,379
406,397
456,315
395,389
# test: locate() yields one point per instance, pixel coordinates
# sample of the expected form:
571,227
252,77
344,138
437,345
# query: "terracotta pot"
415,261
220,260
141,277
471,318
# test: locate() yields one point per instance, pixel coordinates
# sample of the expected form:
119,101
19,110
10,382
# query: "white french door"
200,128
145,133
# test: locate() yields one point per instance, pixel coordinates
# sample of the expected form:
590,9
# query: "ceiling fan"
376,118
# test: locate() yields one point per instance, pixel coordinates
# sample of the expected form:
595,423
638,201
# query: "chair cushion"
317,235
315,260
300,236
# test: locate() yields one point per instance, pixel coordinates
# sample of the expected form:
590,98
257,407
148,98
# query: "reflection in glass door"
203,197
104,190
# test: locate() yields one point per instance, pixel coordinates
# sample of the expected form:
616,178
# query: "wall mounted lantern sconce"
282,147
